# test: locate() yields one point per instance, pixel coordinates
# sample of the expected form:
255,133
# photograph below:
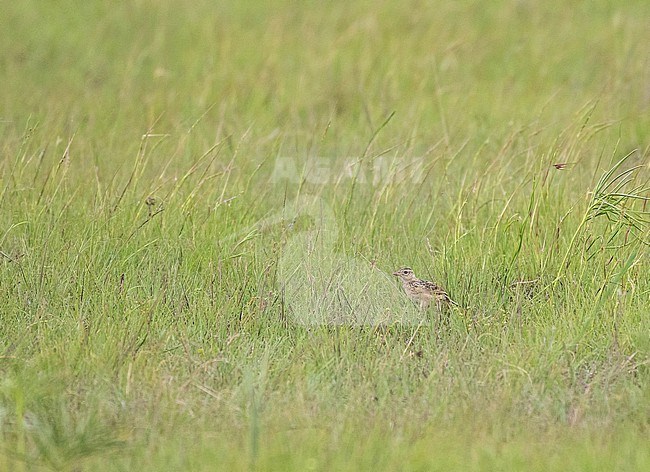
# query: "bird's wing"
430,286
437,291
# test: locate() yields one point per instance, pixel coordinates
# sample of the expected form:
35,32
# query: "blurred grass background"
144,337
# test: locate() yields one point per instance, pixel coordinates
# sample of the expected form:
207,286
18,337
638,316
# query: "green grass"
156,337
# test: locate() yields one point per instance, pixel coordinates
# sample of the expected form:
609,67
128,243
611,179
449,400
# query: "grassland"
152,334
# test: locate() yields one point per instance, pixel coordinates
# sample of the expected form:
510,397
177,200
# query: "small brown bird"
422,291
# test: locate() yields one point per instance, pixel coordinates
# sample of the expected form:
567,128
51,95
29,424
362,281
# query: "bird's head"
405,273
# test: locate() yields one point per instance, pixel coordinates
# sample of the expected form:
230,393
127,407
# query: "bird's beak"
396,274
